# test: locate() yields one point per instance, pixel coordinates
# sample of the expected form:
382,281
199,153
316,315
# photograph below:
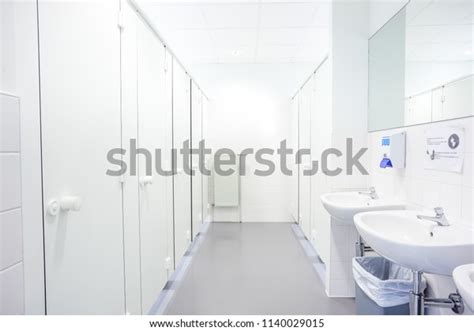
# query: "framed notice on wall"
444,149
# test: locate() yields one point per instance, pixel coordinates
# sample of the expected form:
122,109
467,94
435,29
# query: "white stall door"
320,140
305,143
182,181
80,104
205,179
154,134
196,179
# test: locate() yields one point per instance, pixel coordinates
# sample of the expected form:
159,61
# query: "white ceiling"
249,31
440,31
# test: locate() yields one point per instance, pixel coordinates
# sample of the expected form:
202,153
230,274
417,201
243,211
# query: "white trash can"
382,287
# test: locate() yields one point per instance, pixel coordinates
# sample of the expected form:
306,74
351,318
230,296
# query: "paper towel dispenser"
394,151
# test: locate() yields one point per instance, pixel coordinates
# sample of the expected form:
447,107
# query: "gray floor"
252,268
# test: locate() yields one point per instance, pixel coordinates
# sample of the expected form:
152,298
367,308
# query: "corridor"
252,268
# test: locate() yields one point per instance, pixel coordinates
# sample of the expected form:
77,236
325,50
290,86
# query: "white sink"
418,245
344,205
464,279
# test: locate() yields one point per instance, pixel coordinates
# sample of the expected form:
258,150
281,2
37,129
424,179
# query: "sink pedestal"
339,277
418,302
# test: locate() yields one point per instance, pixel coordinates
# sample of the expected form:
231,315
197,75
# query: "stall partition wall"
102,85
182,180
320,140
204,178
81,122
293,144
312,114
155,191
196,178
305,101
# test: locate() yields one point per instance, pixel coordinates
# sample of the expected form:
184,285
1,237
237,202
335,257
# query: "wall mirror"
421,65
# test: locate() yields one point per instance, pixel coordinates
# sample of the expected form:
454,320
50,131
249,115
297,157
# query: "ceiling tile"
231,15
234,37
282,36
311,53
287,14
193,38
321,17
319,36
228,54
275,52
174,16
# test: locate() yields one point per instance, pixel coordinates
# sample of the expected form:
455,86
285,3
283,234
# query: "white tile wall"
11,290
428,188
421,187
9,124
11,233
10,181
11,243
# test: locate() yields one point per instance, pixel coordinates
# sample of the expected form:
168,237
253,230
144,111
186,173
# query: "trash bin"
382,287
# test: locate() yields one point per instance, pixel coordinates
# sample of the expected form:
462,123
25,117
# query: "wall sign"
444,149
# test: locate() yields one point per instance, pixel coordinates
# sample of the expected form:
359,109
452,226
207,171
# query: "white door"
320,140
293,144
80,106
305,143
155,192
182,181
205,179
196,179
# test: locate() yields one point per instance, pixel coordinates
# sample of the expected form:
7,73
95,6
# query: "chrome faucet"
371,193
439,218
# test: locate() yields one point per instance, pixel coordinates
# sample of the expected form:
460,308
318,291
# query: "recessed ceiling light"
468,52
236,52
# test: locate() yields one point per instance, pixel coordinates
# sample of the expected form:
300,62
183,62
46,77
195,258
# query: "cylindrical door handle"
67,203
70,203
146,180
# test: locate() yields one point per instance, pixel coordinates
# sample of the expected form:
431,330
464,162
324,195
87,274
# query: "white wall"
19,76
348,60
428,188
251,109
11,237
420,187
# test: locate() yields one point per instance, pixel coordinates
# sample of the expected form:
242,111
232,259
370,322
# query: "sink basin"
418,245
464,279
344,205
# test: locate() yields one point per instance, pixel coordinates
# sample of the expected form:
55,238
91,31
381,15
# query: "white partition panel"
155,190
182,181
81,122
205,179
305,144
320,140
130,188
293,144
196,179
